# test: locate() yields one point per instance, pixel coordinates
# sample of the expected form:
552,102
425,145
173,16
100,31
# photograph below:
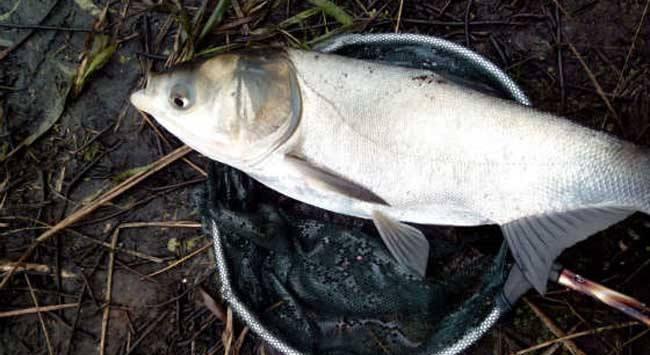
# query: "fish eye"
180,97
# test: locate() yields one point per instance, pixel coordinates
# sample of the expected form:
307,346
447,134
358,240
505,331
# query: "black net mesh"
312,283
327,288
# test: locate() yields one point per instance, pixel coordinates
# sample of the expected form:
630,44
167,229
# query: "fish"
403,146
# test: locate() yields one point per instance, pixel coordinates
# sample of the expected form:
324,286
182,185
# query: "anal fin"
536,241
407,244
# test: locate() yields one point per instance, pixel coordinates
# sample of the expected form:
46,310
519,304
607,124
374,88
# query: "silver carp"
396,145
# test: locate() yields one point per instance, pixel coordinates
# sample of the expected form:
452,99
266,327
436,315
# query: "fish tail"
535,241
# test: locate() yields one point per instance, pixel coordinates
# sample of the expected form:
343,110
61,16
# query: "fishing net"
309,281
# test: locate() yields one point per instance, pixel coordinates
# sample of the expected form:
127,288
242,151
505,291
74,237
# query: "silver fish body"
399,144
441,154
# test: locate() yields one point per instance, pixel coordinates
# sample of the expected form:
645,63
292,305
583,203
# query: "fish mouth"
138,99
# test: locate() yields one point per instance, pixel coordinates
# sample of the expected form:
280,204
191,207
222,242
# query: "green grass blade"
215,17
334,10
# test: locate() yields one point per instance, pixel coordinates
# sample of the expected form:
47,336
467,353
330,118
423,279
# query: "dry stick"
162,137
120,249
6,266
240,15
591,75
75,322
399,15
40,317
166,224
147,331
577,335
554,328
586,322
240,340
565,12
560,61
109,292
32,310
553,348
21,26
134,271
595,83
182,260
106,197
629,52
90,239
466,24
620,348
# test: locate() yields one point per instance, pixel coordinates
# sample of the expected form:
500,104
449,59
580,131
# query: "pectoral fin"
332,181
407,244
536,241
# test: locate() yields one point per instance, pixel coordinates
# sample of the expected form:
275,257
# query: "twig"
165,224
467,11
629,52
553,348
228,333
635,272
46,334
565,12
577,335
170,301
168,144
481,23
32,310
630,341
92,140
106,197
240,14
6,266
75,322
399,15
147,331
182,260
596,84
92,240
240,341
131,269
137,254
45,28
554,328
502,56
109,292
560,61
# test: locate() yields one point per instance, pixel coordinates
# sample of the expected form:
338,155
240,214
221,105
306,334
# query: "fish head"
232,108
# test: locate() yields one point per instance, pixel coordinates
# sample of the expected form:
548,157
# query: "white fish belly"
441,154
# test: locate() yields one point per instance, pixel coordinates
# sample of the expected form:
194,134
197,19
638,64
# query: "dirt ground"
82,174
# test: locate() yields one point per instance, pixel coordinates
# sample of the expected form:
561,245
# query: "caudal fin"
536,241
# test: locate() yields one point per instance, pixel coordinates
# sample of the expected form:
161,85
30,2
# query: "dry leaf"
212,305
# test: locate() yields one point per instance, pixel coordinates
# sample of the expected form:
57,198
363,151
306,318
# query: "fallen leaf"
213,306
